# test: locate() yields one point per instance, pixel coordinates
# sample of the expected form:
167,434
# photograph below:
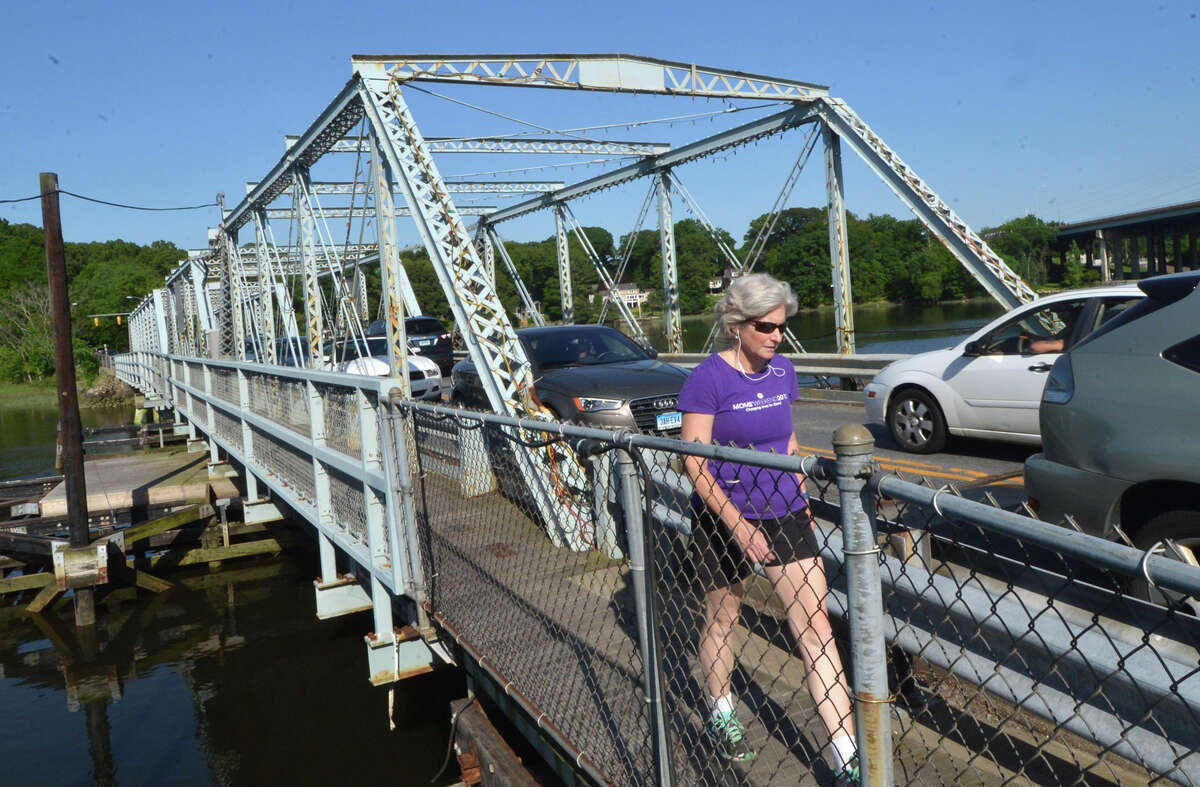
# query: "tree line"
890,259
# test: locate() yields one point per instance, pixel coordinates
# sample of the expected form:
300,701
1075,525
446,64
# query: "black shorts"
720,561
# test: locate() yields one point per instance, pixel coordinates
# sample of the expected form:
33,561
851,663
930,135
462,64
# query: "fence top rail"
1157,569
818,467
383,386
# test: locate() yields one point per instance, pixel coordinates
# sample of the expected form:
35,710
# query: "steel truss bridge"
205,342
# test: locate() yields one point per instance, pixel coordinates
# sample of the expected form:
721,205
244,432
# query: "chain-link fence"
955,641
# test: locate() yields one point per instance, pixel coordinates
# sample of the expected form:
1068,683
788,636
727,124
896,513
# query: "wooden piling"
70,428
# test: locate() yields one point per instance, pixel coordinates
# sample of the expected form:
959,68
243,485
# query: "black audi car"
592,375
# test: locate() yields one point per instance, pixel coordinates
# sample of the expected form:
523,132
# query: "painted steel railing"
982,645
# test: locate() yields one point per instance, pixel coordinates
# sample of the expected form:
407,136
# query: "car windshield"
419,325
582,347
375,347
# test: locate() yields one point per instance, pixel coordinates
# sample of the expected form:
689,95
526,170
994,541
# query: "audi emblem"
666,403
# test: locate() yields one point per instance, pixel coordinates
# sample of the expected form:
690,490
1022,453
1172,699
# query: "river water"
229,679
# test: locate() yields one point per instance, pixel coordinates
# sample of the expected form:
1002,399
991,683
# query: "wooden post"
69,427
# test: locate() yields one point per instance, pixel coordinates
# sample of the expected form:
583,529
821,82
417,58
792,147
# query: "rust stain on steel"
501,549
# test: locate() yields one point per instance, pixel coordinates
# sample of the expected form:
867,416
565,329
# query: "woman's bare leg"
721,607
801,587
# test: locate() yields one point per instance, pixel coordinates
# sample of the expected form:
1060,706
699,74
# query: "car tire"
916,422
1183,529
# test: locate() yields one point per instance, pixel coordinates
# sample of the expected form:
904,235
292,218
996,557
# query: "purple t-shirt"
748,412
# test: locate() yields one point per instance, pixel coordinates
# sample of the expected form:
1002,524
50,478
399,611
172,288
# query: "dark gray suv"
593,375
1120,428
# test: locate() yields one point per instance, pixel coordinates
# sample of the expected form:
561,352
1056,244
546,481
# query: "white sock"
721,705
844,749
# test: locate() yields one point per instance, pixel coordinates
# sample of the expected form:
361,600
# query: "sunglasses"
762,326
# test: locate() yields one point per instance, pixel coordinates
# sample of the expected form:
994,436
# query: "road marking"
914,467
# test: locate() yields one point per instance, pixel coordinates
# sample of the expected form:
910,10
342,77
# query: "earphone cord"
737,357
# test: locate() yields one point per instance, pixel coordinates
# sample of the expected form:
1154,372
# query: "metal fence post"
853,445
641,569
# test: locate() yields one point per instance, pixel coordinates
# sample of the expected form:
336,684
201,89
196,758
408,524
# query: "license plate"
672,420
424,342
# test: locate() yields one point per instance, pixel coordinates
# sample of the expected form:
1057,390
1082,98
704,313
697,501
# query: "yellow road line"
924,468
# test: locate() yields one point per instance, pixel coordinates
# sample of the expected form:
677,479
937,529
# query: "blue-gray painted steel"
1163,571
772,124
854,445
641,568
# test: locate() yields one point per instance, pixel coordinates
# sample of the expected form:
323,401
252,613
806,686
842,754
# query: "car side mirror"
973,349
653,353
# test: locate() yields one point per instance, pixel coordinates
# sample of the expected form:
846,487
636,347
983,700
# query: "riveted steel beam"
572,147
455,186
619,73
839,256
369,213
563,254
670,270
339,117
1000,281
777,123
492,344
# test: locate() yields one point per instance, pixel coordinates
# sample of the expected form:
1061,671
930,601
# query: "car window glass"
1111,307
1047,329
612,348
419,326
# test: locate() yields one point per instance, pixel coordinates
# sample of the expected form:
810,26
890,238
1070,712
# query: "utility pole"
69,426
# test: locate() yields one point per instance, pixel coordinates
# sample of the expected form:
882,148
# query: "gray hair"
750,297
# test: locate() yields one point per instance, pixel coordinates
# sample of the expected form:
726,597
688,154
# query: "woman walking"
743,516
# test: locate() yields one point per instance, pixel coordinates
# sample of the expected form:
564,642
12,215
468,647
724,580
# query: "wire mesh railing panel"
293,468
557,626
349,510
228,428
1046,667
225,385
193,375
282,400
342,430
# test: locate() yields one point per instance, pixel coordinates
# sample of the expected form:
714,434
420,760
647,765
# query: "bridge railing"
981,645
311,438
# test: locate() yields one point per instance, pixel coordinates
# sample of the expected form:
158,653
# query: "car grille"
416,374
645,411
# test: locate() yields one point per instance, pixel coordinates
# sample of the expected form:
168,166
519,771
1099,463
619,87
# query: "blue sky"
1069,109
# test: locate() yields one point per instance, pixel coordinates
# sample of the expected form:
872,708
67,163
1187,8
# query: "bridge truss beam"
573,147
607,72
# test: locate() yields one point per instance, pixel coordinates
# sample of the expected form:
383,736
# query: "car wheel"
1175,535
916,421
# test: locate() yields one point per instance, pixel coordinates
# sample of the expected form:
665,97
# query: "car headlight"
588,404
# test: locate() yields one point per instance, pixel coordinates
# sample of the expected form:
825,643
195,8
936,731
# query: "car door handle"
1040,367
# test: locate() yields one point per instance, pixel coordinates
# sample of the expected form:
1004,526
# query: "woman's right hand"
753,543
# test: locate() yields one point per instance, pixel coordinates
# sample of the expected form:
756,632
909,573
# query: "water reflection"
226,679
27,436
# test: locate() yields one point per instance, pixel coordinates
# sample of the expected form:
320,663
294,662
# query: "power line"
110,204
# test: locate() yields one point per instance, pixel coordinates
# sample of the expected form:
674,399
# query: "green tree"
1028,246
26,338
1073,271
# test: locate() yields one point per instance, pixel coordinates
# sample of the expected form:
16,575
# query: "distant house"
628,292
717,286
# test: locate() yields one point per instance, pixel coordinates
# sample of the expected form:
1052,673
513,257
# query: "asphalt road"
969,465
